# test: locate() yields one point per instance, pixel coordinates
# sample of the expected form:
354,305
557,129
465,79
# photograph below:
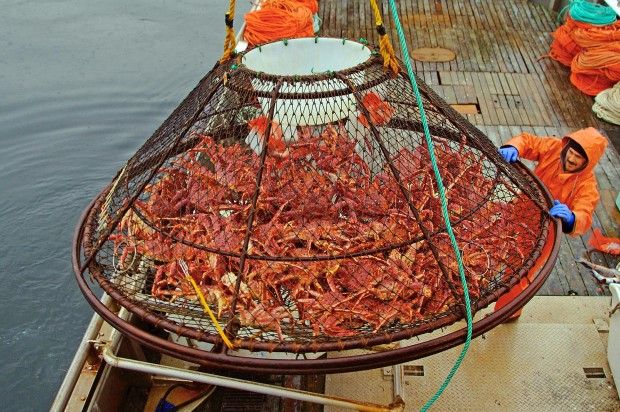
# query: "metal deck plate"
515,367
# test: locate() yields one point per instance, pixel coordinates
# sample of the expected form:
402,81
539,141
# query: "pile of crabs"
333,248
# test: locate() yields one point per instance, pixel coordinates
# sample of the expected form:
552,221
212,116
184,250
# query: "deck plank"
498,45
567,261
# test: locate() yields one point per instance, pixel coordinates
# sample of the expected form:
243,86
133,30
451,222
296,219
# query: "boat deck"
503,82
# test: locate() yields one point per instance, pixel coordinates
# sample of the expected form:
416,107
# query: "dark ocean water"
82,85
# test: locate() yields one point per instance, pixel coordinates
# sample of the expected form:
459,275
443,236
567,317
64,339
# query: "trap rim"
309,56
306,366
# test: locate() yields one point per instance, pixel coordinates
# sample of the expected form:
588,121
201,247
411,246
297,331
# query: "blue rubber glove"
560,210
509,153
165,406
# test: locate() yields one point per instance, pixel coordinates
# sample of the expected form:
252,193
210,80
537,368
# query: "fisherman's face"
573,161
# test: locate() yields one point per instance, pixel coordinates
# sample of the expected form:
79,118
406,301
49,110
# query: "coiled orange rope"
563,47
280,19
595,36
591,51
604,59
590,84
312,5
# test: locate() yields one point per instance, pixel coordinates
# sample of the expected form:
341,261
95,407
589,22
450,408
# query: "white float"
306,57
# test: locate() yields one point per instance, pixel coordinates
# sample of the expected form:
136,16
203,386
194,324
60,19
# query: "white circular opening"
306,56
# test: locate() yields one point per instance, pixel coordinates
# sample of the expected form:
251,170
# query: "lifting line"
229,41
444,204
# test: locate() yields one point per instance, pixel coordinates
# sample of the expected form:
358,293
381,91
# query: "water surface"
82,85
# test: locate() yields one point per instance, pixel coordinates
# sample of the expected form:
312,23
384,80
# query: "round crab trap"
288,208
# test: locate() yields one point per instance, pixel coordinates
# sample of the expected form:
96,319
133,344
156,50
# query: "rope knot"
228,20
229,41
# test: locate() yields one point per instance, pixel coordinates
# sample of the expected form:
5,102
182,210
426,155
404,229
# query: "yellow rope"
385,46
203,302
387,52
229,41
375,9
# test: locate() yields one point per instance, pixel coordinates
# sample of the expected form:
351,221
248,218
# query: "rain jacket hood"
591,141
577,190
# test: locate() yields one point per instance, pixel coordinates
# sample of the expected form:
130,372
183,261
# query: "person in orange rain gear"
566,167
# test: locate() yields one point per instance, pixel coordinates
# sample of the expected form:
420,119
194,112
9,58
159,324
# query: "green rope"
586,12
444,205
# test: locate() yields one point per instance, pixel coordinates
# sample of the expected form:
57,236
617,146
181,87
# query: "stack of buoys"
589,43
280,19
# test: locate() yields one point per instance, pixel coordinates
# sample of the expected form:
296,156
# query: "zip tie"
203,302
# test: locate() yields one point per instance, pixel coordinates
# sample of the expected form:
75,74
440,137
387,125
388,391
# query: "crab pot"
294,187
306,57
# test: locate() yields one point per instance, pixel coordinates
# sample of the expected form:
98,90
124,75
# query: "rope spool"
607,104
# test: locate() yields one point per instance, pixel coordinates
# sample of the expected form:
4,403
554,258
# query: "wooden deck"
499,72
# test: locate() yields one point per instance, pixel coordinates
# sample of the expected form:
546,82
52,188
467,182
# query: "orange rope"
575,24
604,59
592,53
563,47
573,36
278,19
590,84
312,5
596,36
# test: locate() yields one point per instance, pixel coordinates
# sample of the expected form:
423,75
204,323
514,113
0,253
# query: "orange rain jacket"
576,190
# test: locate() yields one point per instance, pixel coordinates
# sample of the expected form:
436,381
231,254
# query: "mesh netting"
305,208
